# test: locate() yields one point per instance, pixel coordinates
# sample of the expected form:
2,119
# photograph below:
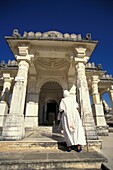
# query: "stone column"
97,108
5,98
111,96
14,125
86,111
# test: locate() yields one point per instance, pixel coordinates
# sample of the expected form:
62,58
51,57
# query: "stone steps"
26,145
41,144
41,149
51,160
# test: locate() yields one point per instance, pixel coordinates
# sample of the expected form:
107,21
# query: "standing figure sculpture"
71,122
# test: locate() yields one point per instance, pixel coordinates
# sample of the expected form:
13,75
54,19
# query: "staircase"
43,149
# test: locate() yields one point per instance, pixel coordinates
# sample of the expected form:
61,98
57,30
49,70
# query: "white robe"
71,122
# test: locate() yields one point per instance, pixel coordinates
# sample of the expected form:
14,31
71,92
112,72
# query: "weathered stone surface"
52,160
3,113
14,125
86,112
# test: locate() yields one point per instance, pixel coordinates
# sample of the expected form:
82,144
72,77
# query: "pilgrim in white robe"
71,121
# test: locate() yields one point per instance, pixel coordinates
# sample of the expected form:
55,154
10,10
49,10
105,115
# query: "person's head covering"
66,93
72,90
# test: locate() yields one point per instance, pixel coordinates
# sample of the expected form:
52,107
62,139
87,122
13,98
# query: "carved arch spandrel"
61,83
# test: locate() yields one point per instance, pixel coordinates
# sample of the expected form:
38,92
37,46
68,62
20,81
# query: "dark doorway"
51,113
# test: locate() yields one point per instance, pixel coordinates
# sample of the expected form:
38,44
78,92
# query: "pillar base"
13,128
31,122
90,131
3,112
99,115
103,130
31,118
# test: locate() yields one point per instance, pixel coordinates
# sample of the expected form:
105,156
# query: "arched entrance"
49,99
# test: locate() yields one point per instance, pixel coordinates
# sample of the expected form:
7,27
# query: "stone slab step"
51,160
40,144
32,143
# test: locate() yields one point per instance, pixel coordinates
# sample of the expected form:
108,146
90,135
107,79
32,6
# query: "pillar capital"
7,78
7,81
81,52
23,54
81,55
23,50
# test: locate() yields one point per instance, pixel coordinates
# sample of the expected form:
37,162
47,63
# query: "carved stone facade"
46,64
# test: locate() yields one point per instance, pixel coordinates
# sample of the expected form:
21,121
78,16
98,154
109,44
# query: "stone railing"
107,76
11,63
92,66
53,35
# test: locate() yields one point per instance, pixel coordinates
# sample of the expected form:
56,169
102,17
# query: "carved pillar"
97,108
111,96
86,111
14,125
19,90
5,98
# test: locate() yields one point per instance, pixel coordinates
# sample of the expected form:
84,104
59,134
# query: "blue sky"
71,16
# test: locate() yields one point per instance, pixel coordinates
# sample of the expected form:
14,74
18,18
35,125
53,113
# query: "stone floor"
107,150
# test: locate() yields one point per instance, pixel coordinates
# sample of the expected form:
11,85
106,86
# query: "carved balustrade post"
97,108
95,93
6,87
5,98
